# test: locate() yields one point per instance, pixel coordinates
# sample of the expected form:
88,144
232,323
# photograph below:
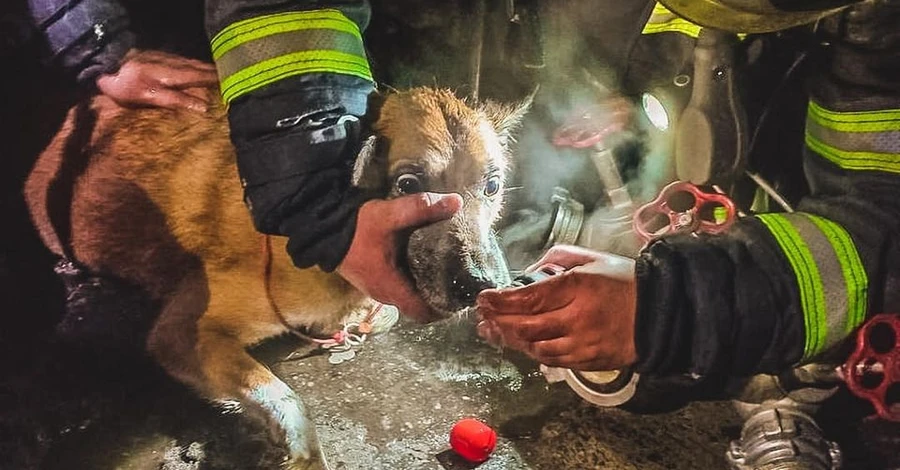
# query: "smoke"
577,79
657,167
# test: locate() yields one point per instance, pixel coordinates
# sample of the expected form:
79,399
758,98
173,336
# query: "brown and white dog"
153,197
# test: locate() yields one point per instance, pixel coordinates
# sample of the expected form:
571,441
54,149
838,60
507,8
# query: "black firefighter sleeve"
788,288
86,37
296,81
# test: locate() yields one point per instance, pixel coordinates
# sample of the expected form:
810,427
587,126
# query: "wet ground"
392,406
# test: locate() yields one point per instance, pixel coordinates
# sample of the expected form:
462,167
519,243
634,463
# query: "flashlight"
655,111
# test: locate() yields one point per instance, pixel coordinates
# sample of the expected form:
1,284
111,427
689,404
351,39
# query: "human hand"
582,319
372,262
155,78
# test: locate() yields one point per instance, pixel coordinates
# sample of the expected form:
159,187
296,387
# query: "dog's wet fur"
152,196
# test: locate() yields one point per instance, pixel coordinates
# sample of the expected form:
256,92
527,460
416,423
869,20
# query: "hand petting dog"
159,79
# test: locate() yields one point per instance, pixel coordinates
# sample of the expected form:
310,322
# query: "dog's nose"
465,288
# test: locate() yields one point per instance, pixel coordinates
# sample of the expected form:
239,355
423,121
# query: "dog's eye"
409,184
492,186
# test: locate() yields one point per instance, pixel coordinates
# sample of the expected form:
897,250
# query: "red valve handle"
687,220
594,124
582,135
873,370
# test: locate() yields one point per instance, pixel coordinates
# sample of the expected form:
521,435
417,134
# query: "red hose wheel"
658,217
873,370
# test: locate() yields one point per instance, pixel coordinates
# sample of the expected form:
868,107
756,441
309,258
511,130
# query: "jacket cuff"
716,305
295,103
326,246
107,60
297,142
86,37
658,307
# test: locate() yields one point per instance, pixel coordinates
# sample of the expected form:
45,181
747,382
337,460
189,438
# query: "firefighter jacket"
779,289
296,80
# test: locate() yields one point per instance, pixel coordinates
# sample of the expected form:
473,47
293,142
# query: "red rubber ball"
473,440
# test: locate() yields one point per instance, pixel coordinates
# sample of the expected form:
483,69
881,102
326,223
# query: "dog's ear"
369,171
506,118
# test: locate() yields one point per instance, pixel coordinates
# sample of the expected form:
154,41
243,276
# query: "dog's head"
429,140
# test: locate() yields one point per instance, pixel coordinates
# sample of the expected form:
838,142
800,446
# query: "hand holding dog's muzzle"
582,319
372,263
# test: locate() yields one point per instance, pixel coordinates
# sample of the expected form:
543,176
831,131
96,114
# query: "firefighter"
91,43
777,289
296,81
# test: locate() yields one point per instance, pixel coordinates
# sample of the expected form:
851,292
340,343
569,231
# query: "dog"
152,196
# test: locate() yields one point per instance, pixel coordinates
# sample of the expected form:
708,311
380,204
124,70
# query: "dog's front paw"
290,424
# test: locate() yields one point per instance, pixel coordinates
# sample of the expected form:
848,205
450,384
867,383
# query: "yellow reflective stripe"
854,160
809,283
256,52
272,70
831,280
660,9
254,28
269,47
662,20
855,121
855,278
855,140
674,26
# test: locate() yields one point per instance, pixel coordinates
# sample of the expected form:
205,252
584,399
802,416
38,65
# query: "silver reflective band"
831,280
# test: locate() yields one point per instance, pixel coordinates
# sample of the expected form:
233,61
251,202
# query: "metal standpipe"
609,228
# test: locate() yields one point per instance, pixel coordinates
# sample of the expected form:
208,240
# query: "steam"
573,80
643,152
